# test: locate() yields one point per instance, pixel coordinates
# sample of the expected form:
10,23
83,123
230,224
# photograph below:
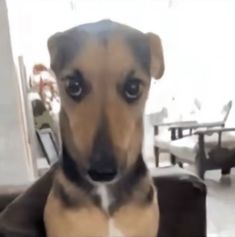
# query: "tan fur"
88,221
157,60
132,219
103,75
61,222
136,221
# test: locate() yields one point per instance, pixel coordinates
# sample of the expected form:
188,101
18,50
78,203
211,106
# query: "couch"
182,201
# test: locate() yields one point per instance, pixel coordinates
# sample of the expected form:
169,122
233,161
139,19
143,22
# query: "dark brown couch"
182,200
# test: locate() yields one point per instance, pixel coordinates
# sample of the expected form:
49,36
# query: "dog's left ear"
157,59
55,45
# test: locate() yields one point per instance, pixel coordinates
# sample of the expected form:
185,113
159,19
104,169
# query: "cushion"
186,148
162,142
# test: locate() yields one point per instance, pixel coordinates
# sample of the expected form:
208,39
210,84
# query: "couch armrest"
182,201
9,193
23,216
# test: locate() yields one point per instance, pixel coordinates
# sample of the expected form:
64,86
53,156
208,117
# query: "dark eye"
131,89
75,86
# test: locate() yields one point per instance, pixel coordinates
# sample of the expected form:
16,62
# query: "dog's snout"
103,167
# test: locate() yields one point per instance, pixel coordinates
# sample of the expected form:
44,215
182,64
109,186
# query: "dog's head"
103,72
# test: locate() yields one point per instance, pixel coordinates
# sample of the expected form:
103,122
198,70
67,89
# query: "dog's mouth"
104,176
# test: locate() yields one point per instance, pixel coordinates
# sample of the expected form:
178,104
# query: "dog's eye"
131,89
75,86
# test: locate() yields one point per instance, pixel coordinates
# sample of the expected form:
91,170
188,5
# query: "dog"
102,187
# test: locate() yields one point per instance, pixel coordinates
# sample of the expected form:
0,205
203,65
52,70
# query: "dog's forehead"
64,47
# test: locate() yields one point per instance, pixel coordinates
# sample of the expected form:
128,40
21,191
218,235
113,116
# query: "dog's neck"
133,185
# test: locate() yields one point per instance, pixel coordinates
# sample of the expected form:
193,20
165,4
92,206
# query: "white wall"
13,155
198,39
32,22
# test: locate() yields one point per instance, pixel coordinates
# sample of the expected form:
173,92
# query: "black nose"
103,167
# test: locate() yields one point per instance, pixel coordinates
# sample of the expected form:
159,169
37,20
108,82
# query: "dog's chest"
129,220
106,200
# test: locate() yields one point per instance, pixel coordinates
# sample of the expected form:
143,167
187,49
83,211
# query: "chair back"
211,113
226,110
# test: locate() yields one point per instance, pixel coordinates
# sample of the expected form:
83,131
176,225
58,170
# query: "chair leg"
226,171
173,137
181,164
156,153
173,159
201,157
200,167
201,172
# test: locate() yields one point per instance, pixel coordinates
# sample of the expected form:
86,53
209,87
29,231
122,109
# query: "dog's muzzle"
103,167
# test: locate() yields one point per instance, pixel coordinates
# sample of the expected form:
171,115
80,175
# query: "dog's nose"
103,167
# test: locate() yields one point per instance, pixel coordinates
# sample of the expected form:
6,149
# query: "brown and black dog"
102,187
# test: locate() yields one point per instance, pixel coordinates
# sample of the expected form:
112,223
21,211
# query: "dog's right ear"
157,60
63,47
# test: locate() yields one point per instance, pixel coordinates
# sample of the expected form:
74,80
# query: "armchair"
208,145
182,142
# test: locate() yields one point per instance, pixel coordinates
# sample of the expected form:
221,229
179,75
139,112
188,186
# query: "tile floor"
220,202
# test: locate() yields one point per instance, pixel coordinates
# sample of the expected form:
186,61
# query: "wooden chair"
180,130
208,145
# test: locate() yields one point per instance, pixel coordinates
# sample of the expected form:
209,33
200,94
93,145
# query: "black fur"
150,195
63,47
123,190
140,48
70,170
102,158
67,199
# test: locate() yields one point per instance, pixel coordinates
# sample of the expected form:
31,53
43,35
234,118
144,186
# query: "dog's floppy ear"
157,59
63,47
54,45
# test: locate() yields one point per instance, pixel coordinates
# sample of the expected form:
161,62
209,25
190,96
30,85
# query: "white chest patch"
105,197
113,231
106,200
